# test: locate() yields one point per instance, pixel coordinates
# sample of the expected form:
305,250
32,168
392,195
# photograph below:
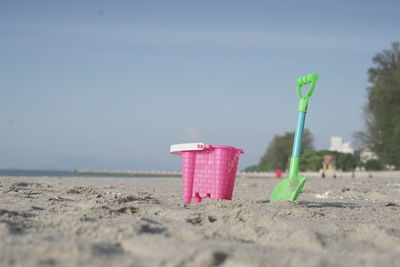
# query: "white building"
337,144
366,154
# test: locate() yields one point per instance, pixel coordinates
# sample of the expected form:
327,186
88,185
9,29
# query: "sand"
50,221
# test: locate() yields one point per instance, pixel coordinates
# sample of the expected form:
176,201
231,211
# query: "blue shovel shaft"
298,135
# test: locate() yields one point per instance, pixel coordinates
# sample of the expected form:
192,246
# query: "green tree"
382,112
343,161
252,168
279,151
372,165
310,161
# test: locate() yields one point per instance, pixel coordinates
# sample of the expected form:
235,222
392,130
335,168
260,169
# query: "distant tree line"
279,152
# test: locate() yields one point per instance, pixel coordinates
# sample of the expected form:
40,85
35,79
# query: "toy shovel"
290,188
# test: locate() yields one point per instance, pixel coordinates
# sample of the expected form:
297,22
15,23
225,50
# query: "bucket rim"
179,148
226,147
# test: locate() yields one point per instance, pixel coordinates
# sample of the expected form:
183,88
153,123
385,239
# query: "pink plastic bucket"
207,170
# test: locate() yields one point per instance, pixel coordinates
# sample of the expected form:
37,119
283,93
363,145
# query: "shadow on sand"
312,204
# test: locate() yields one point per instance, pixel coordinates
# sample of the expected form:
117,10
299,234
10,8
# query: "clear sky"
111,84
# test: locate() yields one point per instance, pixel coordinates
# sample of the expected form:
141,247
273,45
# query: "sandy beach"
51,221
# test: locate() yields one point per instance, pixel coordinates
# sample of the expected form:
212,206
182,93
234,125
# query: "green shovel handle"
303,100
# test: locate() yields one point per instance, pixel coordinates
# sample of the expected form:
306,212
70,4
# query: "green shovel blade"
288,189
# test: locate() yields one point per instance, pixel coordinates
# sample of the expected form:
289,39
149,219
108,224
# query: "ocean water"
52,173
